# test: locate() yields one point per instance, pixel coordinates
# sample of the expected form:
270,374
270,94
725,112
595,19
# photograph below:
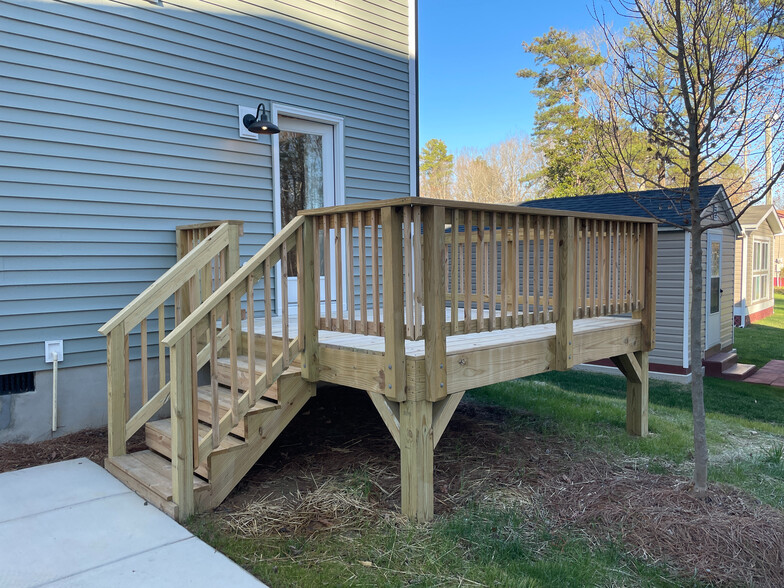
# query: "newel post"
182,427
647,315
564,326
308,274
116,367
434,266
394,320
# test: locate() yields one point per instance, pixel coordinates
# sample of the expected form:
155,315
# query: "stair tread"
152,471
721,357
739,368
224,400
163,427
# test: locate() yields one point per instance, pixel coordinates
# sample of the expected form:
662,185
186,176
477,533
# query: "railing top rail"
461,204
232,282
211,225
154,295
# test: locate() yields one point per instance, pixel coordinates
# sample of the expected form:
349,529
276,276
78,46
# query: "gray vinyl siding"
118,122
669,298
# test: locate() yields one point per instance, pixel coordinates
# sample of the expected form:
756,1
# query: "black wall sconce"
260,124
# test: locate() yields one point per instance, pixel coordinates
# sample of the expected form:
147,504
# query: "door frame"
336,122
716,236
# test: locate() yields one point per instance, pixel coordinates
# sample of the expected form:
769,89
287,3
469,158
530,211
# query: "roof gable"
754,216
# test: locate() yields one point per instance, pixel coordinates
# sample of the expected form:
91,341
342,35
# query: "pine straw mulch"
90,443
724,536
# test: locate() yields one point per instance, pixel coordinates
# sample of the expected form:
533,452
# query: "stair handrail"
188,449
209,256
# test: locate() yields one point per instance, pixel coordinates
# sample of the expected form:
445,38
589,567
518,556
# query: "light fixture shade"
260,123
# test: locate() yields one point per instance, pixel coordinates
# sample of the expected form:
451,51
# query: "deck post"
564,326
182,427
307,276
416,459
183,295
116,367
434,268
635,367
647,315
394,320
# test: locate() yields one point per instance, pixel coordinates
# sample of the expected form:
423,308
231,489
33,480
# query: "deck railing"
202,267
467,268
214,325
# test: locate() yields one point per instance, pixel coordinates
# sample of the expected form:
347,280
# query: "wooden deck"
414,301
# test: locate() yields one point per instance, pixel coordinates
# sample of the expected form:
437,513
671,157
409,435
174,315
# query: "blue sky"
469,53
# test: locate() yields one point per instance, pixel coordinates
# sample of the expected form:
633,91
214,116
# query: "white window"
760,282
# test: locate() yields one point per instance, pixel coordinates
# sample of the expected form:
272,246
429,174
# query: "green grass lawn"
483,544
764,340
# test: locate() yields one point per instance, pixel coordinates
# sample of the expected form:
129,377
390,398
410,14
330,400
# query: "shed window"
760,281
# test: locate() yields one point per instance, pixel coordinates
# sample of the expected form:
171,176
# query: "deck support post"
308,274
394,321
635,367
434,268
416,459
116,368
564,326
182,427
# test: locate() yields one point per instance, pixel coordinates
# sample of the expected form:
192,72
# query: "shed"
671,357
755,268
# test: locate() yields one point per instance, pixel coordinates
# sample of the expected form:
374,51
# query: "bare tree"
698,80
509,171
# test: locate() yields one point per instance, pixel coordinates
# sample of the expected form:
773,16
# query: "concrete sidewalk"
73,524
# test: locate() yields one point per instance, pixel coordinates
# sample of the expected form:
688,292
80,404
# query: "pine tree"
435,169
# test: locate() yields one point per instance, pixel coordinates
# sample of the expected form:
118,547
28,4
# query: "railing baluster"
546,272
408,282
250,305
606,230
493,267
516,316
526,270
468,232
557,222
481,280
350,285
327,273
268,321
284,301
537,268
161,349
143,333
454,268
375,261
418,273
338,270
127,360
215,414
363,307
628,290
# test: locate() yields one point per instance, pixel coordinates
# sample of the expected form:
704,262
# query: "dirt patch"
91,443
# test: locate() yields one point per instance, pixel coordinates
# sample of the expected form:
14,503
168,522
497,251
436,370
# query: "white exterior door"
713,292
305,178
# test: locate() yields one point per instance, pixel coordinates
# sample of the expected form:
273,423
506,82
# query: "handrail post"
307,276
182,427
116,367
647,315
232,266
564,326
183,295
394,321
434,267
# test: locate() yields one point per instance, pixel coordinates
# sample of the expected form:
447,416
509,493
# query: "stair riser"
162,444
243,380
205,416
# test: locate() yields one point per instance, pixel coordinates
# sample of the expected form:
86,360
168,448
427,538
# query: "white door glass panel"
713,292
306,167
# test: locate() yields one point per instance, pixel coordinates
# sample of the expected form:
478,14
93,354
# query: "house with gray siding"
671,357
121,120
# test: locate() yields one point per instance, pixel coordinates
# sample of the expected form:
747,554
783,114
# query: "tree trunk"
696,339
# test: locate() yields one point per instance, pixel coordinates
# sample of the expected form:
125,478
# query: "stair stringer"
227,470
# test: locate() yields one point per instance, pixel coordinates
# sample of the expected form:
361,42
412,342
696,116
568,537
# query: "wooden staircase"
149,472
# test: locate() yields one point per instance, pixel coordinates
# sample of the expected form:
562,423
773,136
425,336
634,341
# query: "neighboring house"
778,255
120,120
671,358
756,264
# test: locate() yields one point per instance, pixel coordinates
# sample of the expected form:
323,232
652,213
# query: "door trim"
712,235
336,122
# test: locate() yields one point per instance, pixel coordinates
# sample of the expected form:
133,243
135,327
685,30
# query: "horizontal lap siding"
119,122
669,299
